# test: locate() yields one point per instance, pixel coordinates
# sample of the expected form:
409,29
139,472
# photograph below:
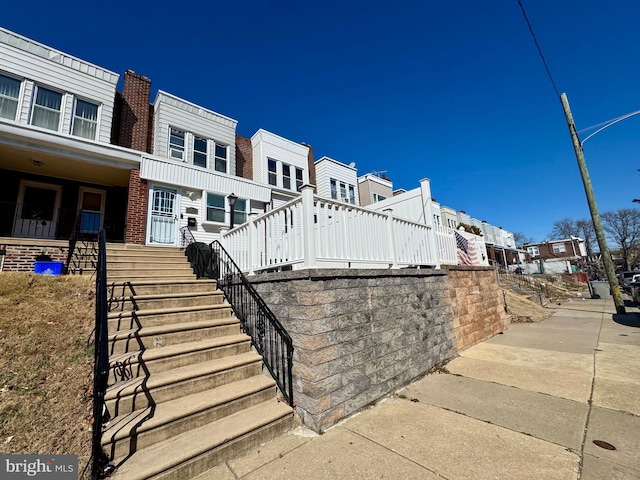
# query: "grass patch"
46,364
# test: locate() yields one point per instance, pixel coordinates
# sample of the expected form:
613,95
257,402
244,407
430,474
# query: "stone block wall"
359,334
478,305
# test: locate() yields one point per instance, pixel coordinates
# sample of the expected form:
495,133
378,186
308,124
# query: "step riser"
129,264
135,369
164,288
118,278
140,400
193,301
234,448
134,344
145,439
128,322
150,271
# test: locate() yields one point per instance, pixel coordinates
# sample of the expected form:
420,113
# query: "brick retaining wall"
359,334
21,253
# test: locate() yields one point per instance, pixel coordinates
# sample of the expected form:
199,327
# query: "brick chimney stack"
133,115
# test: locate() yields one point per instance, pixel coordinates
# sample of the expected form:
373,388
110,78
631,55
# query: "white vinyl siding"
267,146
195,121
43,66
337,181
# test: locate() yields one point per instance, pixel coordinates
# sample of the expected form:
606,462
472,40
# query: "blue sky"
453,91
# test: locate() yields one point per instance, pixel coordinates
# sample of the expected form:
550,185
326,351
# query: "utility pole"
593,208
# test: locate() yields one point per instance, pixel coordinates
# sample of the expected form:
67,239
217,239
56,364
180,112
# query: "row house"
570,249
337,181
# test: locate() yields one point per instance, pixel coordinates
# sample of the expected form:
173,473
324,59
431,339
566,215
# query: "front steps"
186,391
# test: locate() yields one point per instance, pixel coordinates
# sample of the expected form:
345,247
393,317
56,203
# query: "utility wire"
535,40
621,117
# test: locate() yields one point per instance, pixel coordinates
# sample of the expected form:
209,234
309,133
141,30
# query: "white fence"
316,232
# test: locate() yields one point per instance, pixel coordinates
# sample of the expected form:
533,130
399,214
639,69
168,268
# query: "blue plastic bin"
48,268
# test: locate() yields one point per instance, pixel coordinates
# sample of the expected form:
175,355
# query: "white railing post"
392,238
308,227
223,240
252,242
427,207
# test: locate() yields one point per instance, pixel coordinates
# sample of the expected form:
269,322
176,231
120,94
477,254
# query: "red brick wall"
136,209
312,168
244,157
20,257
133,115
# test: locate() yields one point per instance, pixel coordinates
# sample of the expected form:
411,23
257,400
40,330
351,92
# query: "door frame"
20,200
176,210
103,194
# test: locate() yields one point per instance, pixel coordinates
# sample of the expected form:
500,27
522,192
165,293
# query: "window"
176,144
85,120
343,192
352,195
215,208
559,248
46,109
221,158
451,223
299,179
9,92
534,251
200,152
436,219
378,198
286,176
240,212
273,176
334,189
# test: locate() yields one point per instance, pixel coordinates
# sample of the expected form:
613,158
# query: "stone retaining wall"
478,305
359,334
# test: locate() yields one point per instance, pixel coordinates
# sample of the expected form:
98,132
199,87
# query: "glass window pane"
48,98
9,92
199,159
200,144
86,110
221,165
221,151
45,118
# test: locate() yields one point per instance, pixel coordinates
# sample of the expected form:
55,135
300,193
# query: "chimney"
312,167
133,112
244,157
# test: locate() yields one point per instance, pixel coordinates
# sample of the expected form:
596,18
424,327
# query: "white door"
37,210
164,218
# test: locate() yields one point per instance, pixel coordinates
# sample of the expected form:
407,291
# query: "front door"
164,219
91,203
37,210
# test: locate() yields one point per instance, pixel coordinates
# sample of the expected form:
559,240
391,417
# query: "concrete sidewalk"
527,404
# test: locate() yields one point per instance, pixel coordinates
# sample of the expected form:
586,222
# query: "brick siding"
244,157
136,209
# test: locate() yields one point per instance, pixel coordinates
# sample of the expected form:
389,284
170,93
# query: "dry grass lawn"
46,364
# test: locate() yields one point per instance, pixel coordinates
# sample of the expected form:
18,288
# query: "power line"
621,117
535,40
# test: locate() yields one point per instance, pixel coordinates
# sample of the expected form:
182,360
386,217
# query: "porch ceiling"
61,166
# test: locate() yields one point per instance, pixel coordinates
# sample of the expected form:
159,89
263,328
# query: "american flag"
466,250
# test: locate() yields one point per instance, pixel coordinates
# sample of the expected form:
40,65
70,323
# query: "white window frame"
533,251
175,147
378,198
559,248
286,179
224,208
74,116
217,158
200,152
18,99
240,216
333,185
272,176
35,106
299,181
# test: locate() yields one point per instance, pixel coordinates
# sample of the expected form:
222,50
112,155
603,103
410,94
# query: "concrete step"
124,276
150,270
142,392
130,320
139,248
146,338
166,300
145,427
153,287
145,262
191,453
155,360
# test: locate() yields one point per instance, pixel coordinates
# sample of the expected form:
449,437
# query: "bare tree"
564,228
623,228
522,239
587,233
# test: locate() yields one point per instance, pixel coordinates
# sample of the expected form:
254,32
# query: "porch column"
137,201
308,227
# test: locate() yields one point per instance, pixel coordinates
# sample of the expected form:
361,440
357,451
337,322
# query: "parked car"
634,285
625,279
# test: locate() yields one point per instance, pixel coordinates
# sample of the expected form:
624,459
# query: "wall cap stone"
333,273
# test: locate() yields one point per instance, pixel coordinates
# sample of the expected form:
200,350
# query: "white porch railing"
316,232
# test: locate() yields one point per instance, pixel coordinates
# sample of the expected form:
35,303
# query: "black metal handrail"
99,461
267,334
72,243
